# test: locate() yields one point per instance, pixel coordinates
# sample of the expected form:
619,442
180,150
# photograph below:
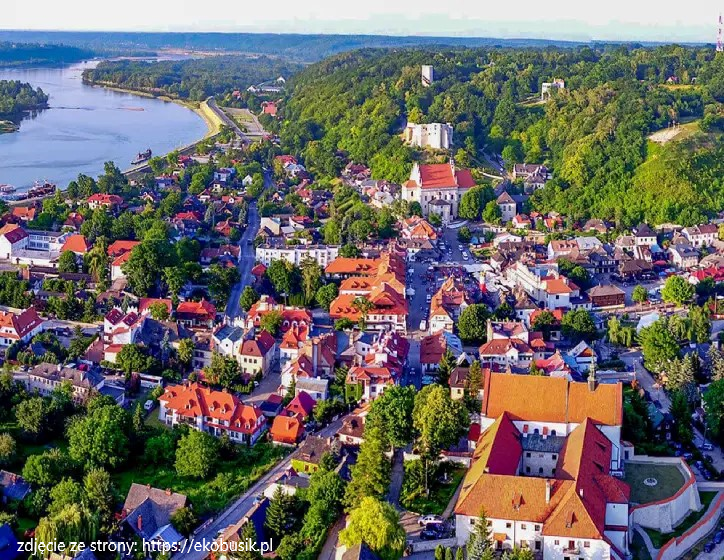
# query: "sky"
662,20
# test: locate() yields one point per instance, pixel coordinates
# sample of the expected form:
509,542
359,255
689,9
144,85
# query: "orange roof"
121,246
201,308
145,303
444,175
257,347
118,261
347,265
560,286
24,212
19,324
76,243
286,429
501,346
566,401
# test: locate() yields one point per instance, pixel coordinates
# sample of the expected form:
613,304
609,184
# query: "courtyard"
669,480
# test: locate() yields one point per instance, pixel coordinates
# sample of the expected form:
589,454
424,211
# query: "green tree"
66,492
640,295
474,382
100,493
196,455
544,322
439,422
445,367
186,351
280,515
47,468
281,275
67,262
714,406
699,325
159,311
248,298
32,416
311,274
677,290
392,413
8,448
376,524
658,346
492,213
479,546
681,413
371,473
326,295
271,322
100,438
578,325
184,520
472,324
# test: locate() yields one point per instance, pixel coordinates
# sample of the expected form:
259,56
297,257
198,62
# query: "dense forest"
194,79
307,47
593,134
16,97
31,54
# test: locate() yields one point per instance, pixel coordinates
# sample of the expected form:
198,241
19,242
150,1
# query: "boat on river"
142,157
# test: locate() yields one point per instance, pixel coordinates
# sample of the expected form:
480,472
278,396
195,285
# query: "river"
86,126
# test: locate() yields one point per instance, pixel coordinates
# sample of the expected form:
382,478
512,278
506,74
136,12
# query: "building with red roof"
21,326
101,200
286,430
300,406
24,213
256,354
291,316
438,188
447,304
77,243
74,220
215,412
196,313
117,248
548,491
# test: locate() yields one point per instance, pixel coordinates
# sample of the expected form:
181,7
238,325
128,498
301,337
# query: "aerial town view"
361,282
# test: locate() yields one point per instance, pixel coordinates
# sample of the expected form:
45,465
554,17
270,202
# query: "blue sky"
664,20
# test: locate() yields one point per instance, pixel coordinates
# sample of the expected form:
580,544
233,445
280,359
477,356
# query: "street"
238,509
246,260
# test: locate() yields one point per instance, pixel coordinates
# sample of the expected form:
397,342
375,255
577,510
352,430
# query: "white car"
465,257
148,405
428,299
425,519
423,325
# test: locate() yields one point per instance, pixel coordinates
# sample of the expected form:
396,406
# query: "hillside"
593,134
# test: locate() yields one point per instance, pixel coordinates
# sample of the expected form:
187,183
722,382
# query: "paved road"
246,260
238,509
225,119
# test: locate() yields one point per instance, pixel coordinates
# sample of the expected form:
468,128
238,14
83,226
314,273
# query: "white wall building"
438,136
296,254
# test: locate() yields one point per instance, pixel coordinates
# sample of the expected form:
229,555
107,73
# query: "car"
719,537
688,456
709,458
148,405
707,447
423,325
460,247
428,299
431,518
709,547
433,531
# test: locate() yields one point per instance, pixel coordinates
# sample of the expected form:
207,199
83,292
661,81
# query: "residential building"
684,256
534,176
547,287
606,297
13,487
371,381
703,235
438,136
196,313
309,455
417,228
147,513
438,188
45,378
20,327
433,346
644,236
214,412
547,88
447,304
107,201
296,254
256,354
286,430
291,316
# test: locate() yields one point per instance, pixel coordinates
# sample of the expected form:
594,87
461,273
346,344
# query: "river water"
86,126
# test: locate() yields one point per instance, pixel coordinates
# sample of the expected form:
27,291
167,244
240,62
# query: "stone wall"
676,547
665,515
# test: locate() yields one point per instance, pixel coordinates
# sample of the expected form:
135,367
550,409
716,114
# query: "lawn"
660,539
439,496
638,548
232,478
669,479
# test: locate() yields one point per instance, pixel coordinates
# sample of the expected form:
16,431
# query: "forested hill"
307,47
593,134
30,54
16,97
194,79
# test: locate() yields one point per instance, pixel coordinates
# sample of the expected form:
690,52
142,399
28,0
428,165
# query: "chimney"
139,523
168,491
580,492
548,491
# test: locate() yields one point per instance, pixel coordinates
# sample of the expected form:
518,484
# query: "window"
527,455
523,526
527,469
508,525
537,527
490,523
586,544
553,432
556,542
540,470
536,431
554,457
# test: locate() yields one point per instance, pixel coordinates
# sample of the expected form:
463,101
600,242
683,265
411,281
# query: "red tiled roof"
442,175
566,401
121,246
76,243
203,309
301,405
19,324
286,429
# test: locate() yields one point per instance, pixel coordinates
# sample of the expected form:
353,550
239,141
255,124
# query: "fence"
676,547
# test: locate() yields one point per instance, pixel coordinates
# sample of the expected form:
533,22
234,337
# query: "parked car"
709,547
707,447
433,531
148,405
719,537
425,519
423,325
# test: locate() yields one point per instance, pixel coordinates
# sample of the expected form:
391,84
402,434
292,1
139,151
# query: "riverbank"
8,126
202,109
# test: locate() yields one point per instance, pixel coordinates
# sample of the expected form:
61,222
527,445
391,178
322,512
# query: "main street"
247,257
242,505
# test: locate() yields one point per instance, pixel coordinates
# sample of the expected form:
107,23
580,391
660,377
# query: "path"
329,550
653,551
396,479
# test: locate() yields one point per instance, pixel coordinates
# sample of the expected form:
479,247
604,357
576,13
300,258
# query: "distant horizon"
564,20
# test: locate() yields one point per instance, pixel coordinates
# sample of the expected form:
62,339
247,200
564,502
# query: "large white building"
428,75
543,469
438,188
438,136
296,254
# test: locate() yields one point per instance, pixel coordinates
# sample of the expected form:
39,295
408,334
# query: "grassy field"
660,539
439,497
233,477
669,480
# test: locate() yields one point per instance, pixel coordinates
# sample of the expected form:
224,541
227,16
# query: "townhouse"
215,412
447,304
703,235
